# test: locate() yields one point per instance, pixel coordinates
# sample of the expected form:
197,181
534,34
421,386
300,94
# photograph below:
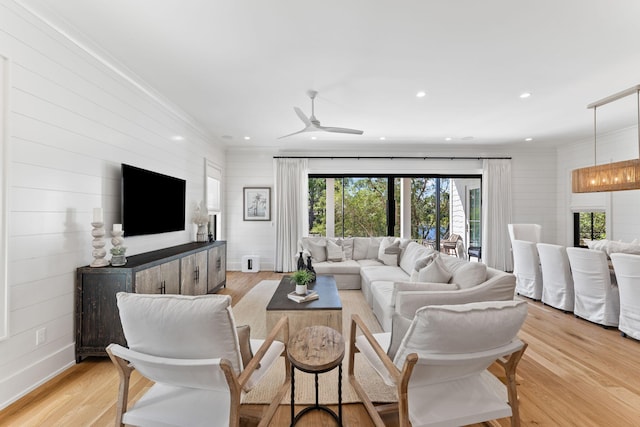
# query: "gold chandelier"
624,175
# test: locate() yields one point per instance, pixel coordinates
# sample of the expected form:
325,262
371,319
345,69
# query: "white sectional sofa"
388,270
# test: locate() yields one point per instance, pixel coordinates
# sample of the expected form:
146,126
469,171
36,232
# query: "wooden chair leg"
124,372
510,365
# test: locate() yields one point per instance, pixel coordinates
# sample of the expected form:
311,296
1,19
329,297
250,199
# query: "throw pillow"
394,249
347,247
374,247
422,263
469,275
399,327
435,272
360,247
334,252
244,339
318,250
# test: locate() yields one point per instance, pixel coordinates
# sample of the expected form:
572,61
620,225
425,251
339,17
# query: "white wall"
534,178
622,207
73,121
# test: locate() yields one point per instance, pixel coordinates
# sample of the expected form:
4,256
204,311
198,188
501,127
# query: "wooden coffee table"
325,311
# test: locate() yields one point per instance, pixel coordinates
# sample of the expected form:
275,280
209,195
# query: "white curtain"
496,213
292,219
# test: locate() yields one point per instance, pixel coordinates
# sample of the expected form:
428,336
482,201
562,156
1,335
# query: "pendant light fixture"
624,175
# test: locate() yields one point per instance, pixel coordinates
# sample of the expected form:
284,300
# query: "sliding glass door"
437,206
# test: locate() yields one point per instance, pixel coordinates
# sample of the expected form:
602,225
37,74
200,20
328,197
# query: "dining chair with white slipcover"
527,232
190,347
596,293
557,281
526,268
627,270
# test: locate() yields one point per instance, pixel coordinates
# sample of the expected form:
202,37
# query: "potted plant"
302,278
118,257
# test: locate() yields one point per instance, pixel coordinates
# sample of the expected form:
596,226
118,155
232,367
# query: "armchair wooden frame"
236,382
401,378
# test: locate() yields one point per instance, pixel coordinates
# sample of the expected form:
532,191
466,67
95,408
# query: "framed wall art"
257,203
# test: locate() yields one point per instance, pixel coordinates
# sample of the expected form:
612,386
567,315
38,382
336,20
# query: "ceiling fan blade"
340,130
304,118
307,129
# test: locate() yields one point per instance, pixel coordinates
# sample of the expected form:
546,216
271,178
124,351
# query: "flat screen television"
151,202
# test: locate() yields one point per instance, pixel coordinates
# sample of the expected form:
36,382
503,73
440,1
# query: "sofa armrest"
499,287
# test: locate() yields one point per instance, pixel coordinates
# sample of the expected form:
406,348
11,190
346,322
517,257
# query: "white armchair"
440,365
596,295
557,281
627,270
189,346
526,268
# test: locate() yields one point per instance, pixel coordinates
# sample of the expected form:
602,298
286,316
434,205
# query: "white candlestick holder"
98,245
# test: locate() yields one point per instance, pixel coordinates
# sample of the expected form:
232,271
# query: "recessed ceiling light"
246,138
525,95
448,138
421,94
314,137
178,138
528,139
382,138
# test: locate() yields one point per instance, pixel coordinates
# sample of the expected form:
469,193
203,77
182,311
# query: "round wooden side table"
316,349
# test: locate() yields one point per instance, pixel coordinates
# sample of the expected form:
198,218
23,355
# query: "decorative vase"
300,262
301,289
311,269
201,235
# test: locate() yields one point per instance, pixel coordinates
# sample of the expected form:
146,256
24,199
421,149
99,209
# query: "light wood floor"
574,373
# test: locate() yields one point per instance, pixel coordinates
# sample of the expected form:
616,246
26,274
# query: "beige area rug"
251,310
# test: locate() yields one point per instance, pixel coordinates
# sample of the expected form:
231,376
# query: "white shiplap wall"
256,168
73,121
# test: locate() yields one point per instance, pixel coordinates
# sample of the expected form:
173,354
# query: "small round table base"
315,350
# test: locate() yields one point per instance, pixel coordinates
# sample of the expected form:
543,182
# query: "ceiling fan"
313,125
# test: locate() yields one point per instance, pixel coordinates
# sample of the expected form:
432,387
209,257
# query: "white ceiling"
239,66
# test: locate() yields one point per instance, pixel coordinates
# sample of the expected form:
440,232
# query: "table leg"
340,394
317,400
293,411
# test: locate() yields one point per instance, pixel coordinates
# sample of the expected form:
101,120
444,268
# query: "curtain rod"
394,157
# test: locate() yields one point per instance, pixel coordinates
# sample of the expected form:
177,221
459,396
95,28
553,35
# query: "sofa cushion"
469,275
441,329
435,272
382,272
388,251
369,262
361,247
347,247
421,263
334,252
344,267
317,249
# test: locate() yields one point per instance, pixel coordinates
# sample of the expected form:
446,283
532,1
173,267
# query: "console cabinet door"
170,272
149,281
161,279
217,268
194,274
